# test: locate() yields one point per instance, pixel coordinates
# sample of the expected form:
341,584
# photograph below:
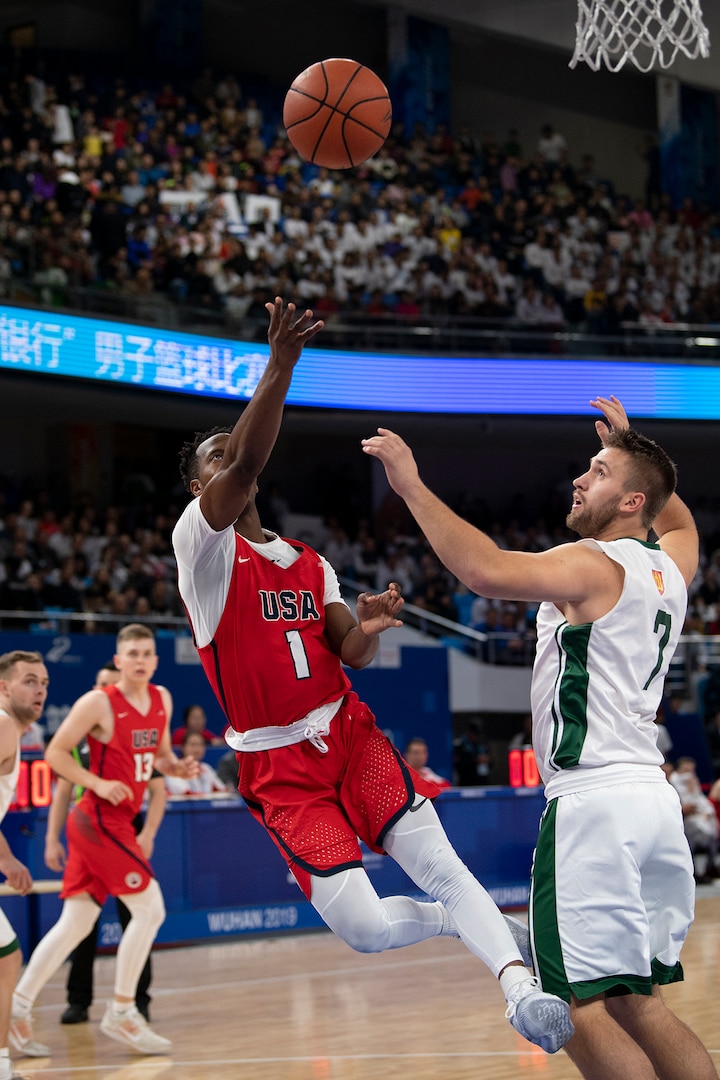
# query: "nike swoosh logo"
121,714
243,560
414,809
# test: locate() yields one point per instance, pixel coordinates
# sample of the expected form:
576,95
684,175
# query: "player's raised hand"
400,465
287,333
615,416
376,613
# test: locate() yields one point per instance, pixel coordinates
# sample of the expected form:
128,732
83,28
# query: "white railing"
695,653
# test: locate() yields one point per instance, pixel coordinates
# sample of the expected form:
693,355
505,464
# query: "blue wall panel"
222,876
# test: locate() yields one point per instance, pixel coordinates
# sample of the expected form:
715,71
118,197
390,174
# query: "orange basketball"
337,113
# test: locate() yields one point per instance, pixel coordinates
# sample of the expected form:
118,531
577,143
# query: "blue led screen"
168,360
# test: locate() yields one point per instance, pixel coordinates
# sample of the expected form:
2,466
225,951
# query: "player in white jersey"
597,687
23,690
612,885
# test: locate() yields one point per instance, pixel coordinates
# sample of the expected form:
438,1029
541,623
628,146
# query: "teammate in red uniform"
273,633
127,729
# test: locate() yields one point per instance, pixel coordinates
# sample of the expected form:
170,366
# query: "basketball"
337,113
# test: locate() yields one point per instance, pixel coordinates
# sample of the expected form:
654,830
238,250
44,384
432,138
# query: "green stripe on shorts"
546,935
612,986
663,975
14,945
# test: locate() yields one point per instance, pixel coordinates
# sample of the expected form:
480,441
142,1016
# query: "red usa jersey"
269,662
130,754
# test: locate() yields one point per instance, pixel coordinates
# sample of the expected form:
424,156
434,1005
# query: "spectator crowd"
117,561
194,196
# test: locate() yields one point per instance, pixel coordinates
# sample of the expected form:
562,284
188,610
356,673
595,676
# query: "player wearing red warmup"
126,727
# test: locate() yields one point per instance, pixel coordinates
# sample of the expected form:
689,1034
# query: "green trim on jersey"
543,904
644,543
571,695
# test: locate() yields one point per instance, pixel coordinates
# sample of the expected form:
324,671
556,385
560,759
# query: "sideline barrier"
38,887
30,932
222,876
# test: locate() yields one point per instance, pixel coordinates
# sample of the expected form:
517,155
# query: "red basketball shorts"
315,806
104,857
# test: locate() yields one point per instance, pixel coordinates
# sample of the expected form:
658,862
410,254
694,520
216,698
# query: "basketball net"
647,33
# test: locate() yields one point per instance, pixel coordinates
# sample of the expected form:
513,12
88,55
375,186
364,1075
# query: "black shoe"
74,1014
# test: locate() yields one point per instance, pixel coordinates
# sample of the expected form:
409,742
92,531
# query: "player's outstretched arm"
252,439
570,572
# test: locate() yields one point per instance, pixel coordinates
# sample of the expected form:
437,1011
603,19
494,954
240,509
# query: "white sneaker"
133,1029
20,1037
540,1018
6,1070
521,936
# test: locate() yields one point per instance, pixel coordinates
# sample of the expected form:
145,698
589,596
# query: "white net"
646,33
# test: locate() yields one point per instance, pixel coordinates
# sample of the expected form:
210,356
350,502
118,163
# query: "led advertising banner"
168,360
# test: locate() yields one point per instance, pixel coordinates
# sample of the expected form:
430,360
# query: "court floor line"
345,970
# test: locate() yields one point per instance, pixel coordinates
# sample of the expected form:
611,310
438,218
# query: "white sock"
512,976
121,1007
448,928
21,1006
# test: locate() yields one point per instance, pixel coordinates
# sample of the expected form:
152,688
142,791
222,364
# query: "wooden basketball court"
308,1008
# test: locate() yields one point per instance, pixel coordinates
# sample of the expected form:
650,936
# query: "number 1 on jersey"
298,654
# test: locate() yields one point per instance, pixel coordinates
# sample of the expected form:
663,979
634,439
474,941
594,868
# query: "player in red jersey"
273,633
127,729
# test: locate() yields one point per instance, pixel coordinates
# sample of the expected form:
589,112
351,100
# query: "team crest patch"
133,880
658,579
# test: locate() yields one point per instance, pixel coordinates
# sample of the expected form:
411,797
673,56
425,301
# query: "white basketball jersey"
596,687
8,783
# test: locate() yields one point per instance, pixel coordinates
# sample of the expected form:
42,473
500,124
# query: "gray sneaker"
133,1030
521,935
20,1037
540,1018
